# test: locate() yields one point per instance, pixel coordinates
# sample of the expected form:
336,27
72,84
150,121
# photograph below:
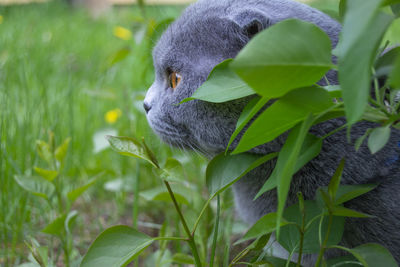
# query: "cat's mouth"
179,137
174,136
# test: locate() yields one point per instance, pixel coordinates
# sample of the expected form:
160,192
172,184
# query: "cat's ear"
251,22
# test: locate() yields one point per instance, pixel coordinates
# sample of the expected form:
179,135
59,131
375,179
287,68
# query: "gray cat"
209,32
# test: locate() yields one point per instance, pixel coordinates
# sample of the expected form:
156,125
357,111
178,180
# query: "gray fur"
209,32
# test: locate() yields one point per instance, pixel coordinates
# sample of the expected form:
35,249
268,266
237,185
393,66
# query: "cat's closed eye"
174,79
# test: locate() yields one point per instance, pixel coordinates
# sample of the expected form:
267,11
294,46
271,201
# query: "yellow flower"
112,115
1,19
122,33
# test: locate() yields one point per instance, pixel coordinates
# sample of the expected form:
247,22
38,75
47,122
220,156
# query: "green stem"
302,231
66,252
196,224
323,246
170,239
239,257
376,87
289,260
335,131
135,210
60,201
214,244
228,233
190,239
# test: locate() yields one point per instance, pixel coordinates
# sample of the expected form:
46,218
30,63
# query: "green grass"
55,76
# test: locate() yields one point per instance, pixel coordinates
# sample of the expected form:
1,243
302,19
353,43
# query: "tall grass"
55,76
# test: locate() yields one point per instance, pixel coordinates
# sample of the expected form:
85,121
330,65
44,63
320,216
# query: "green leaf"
335,180
378,138
396,9
271,261
222,85
385,63
36,185
349,259
71,217
44,151
273,66
118,56
374,115
173,171
115,247
326,198
128,146
183,259
360,14
390,2
29,264
363,29
61,151
287,160
361,139
342,8
394,79
334,90
74,194
259,243
49,175
310,149
345,212
289,237
160,194
56,227
60,225
251,109
39,254
284,114
223,170
371,255
265,225
349,192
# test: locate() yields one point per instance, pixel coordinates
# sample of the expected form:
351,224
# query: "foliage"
49,186
288,74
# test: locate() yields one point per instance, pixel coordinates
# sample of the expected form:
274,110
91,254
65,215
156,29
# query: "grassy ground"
57,74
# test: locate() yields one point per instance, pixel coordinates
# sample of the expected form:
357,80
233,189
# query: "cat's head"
207,33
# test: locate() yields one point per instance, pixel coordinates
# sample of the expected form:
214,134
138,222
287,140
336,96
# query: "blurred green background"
65,72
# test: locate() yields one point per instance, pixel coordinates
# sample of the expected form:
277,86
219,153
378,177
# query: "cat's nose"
146,106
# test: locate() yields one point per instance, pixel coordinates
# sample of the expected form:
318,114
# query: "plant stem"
135,210
239,257
190,239
161,238
214,244
66,252
228,233
201,214
302,231
335,131
289,260
376,87
323,246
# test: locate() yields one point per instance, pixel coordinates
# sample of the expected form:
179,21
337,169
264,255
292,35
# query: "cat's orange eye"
174,79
